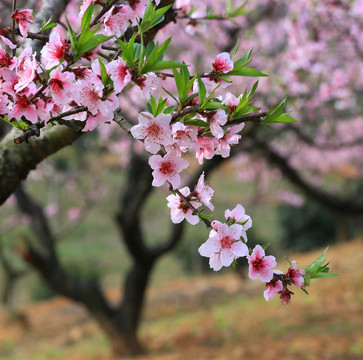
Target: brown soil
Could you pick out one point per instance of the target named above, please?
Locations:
(214, 317)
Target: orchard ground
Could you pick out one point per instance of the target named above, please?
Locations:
(211, 317)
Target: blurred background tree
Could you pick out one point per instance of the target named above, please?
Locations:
(70, 203)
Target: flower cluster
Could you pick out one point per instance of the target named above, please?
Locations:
(227, 241)
(71, 82)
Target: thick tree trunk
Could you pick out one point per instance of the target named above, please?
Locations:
(122, 326)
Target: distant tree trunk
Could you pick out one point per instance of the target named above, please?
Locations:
(127, 321)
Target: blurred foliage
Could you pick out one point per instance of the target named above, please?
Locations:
(307, 227)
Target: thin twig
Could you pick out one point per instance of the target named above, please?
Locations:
(102, 12)
(13, 33)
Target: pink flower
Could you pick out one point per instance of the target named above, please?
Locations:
(205, 148)
(184, 135)
(154, 131)
(138, 7)
(6, 60)
(167, 168)
(239, 216)
(61, 85)
(261, 265)
(223, 63)
(93, 121)
(179, 210)
(85, 5)
(184, 5)
(296, 275)
(54, 51)
(204, 192)
(231, 138)
(24, 107)
(231, 101)
(26, 69)
(6, 41)
(285, 296)
(24, 18)
(218, 119)
(89, 93)
(115, 21)
(51, 209)
(223, 245)
(101, 118)
(149, 84)
(273, 287)
(120, 74)
(4, 104)
(74, 213)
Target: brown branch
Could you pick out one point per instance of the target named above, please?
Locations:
(13, 26)
(190, 206)
(183, 112)
(34, 130)
(38, 36)
(122, 122)
(343, 207)
(256, 118)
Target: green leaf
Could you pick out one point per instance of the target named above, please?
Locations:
(316, 263)
(180, 83)
(254, 87)
(136, 53)
(239, 11)
(196, 122)
(18, 124)
(127, 51)
(86, 18)
(149, 108)
(244, 60)
(235, 49)
(169, 109)
(307, 278)
(104, 75)
(152, 17)
(202, 90)
(214, 105)
(93, 42)
(206, 101)
(160, 12)
(246, 72)
(322, 275)
(161, 105)
(224, 77)
(204, 216)
(149, 49)
(190, 98)
(228, 7)
(47, 25)
(283, 119)
(141, 54)
(305, 291)
(73, 38)
(149, 11)
(163, 65)
(245, 110)
(171, 94)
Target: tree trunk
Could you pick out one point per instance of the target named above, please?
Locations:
(126, 323)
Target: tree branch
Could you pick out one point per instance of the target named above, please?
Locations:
(340, 206)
